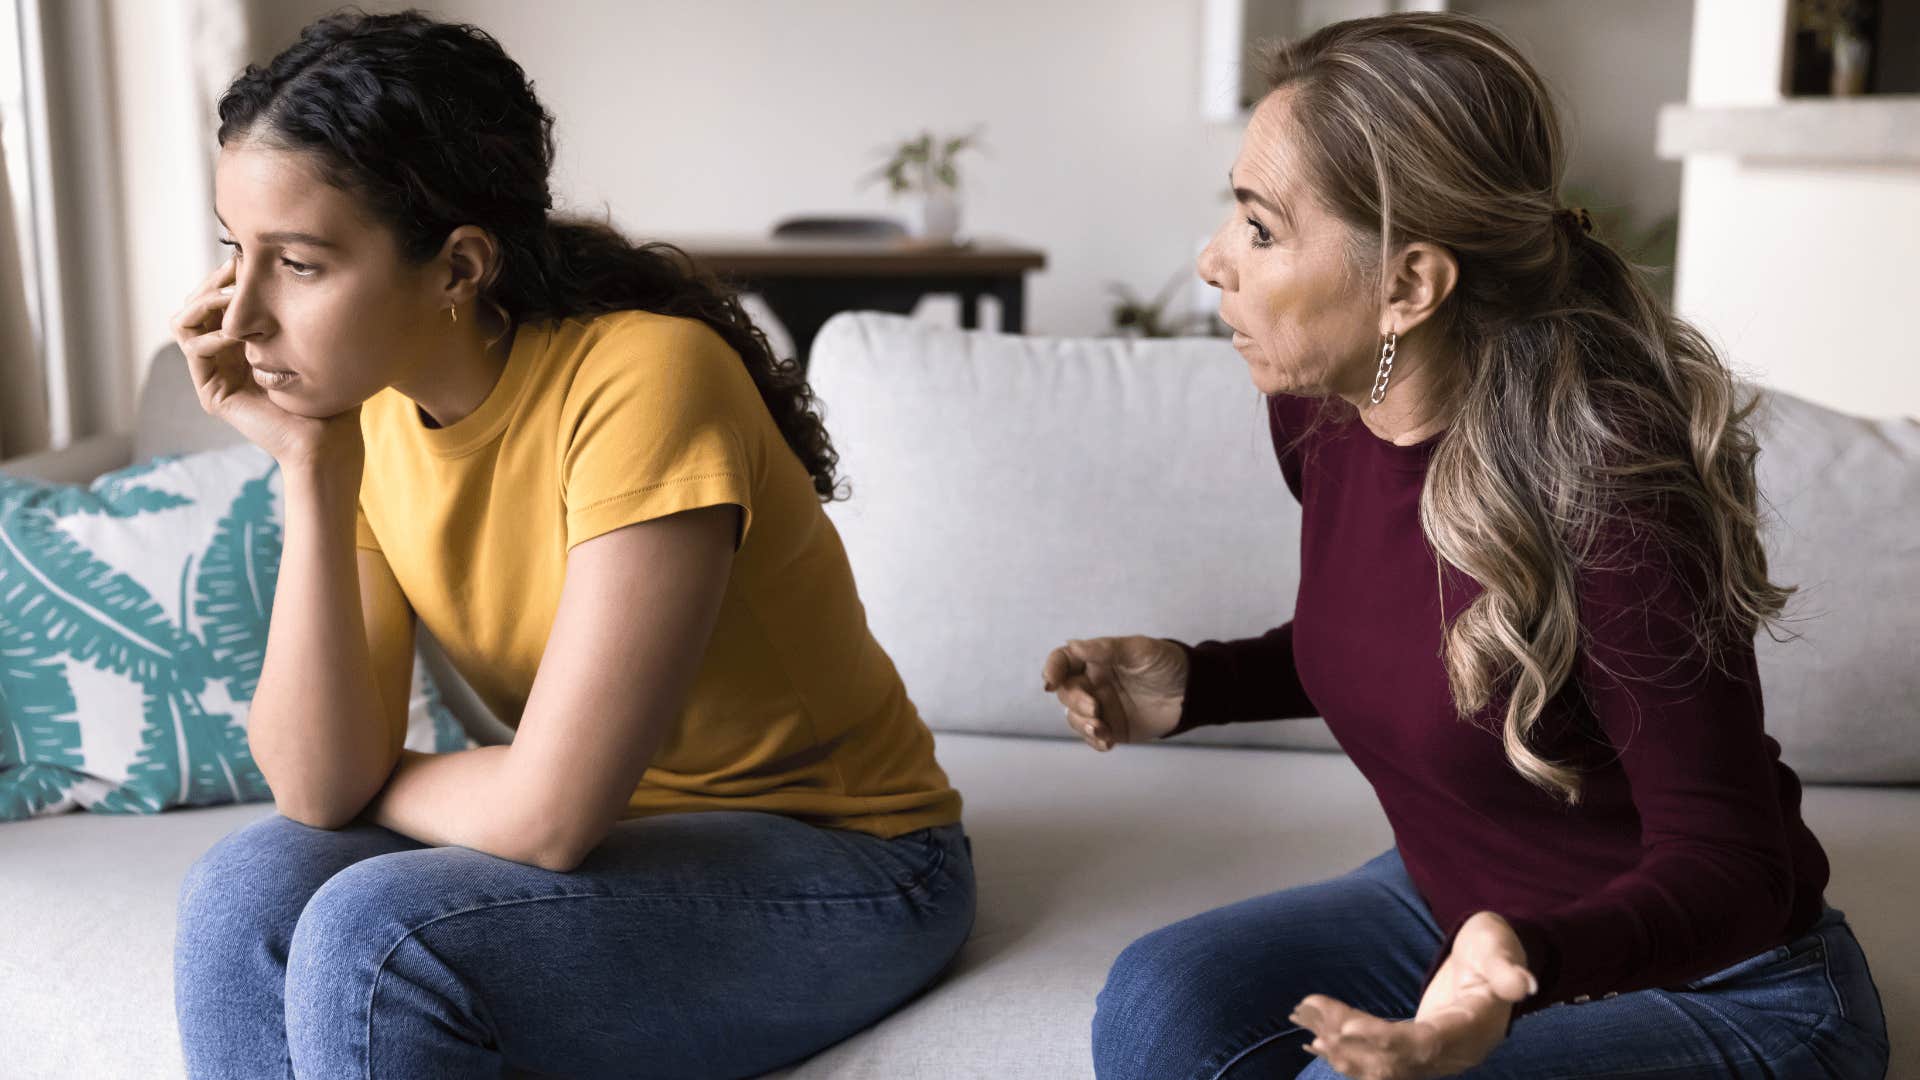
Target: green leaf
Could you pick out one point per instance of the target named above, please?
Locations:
(82, 606)
(29, 790)
(235, 596)
(188, 757)
(36, 703)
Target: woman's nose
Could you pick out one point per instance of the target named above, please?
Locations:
(1210, 266)
(245, 316)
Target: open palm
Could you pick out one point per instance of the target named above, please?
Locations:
(1462, 1016)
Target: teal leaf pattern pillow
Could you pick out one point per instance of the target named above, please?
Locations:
(133, 623)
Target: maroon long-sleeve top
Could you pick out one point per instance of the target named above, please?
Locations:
(1687, 851)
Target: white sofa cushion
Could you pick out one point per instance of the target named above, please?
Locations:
(1076, 853)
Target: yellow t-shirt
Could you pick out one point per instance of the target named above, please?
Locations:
(599, 422)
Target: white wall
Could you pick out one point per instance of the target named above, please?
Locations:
(1803, 272)
(1582, 49)
(728, 114)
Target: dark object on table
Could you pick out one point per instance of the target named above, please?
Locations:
(876, 228)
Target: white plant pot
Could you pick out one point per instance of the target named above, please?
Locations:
(1850, 55)
(939, 216)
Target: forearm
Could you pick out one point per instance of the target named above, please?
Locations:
(1249, 679)
(1675, 918)
(315, 725)
(465, 799)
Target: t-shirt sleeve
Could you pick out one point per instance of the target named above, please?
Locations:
(363, 530)
(661, 417)
(1715, 878)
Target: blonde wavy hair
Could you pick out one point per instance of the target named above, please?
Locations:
(1578, 395)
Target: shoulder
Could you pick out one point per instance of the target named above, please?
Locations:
(643, 354)
(669, 341)
(1294, 420)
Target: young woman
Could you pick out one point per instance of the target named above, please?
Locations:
(720, 840)
(1530, 582)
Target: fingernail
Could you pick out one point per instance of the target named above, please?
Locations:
(1533, 985)
(226, 288)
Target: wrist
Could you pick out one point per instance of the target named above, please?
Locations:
(337, 458)
(331, 476)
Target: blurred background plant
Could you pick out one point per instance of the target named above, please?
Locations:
(1137, 317)
(1651, 246)
(925, 164)
(929, 166)
(1832, 19)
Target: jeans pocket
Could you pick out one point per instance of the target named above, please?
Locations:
(1778, 962)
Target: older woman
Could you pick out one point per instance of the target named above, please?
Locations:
(1530, 583)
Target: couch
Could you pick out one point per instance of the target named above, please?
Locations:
(1008, 493)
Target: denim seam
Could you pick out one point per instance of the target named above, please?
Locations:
(1619, 1075)
(1248, 1049)
(1822, 1025)
(1826, 972)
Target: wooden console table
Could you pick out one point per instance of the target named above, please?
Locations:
(805, 280)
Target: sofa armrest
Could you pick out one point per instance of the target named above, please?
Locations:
(77, 463)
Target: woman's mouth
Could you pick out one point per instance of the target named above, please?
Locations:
(271, 379)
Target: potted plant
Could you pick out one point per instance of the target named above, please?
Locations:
(1136, 317)
(927, 165)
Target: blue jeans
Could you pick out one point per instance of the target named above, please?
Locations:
(1208, 997)
(710, 944)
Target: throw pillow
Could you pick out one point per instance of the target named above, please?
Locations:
(133, 622)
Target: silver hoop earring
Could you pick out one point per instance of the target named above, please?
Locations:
(1386, 367)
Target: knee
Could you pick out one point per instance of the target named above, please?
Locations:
(344, 929)
(243, 879)
(356, 956)
(1153, 1016)
(348, 912)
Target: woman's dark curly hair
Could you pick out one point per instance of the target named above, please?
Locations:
(433, 126)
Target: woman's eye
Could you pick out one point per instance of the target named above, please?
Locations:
(299, 269)
(1261, 238)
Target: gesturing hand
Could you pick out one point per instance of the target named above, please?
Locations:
(1118, 689)
(1461, 1018)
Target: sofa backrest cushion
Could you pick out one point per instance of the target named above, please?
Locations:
(1009, 493)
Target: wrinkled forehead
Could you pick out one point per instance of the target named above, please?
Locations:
(259, 190)
(1269, 162)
